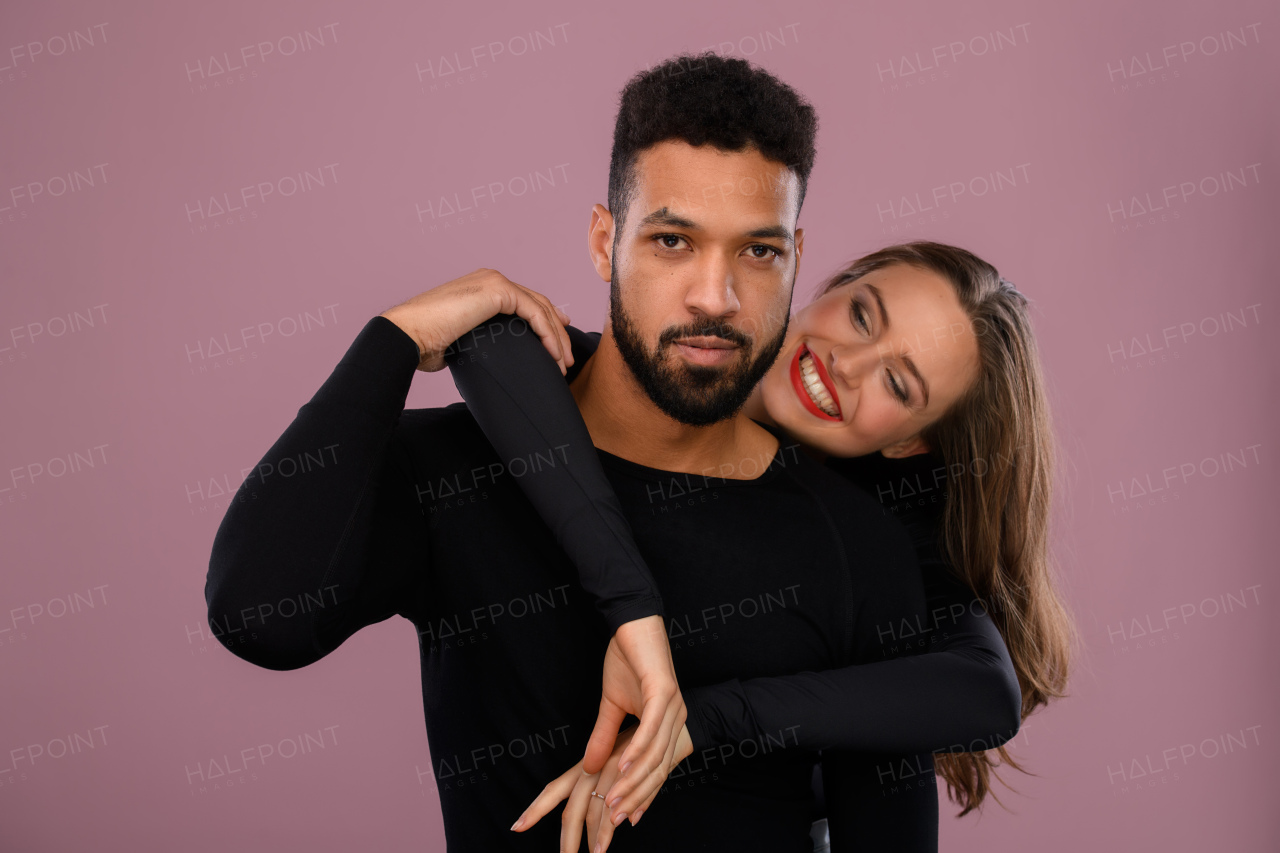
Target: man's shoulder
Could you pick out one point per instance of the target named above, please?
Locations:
(838, 491)
(444, 433)
(817, 477)
(583, 345)
(856, 514)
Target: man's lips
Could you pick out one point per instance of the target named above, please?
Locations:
(797, 382)
(707, 341)
(706, 349)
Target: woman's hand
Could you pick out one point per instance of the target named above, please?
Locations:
(586, 805)
(639, 679)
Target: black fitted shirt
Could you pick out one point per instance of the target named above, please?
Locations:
(962, 696)
(773, 580)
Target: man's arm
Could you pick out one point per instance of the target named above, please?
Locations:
(325, 535)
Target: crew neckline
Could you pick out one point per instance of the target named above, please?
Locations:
(645, 472)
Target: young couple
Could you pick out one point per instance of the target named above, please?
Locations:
(699, 484)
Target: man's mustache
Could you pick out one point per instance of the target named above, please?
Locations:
(707, 330)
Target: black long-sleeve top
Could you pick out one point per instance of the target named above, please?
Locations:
(389, 511)
(965, 690)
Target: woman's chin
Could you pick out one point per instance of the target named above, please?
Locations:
(788, 414)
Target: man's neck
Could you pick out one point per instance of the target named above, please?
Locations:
(623, 421)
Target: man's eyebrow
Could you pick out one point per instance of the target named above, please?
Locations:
(663, 216)
(775, 232)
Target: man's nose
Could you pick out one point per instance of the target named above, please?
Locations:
(713, 290)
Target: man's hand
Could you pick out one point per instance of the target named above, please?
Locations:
(438, 317)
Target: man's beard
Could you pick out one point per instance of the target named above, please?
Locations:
(693, 394)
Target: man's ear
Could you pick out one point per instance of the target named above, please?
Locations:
(600, 241)
(907, 447)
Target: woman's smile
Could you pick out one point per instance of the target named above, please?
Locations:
(813, 385)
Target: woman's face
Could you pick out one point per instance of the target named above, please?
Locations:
(872, 362)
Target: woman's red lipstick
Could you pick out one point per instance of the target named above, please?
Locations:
(797, 381)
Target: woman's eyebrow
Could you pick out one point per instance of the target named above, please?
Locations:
(924, 386)
(906, 359)
(884, 315)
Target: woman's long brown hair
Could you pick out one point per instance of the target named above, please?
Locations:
(995, 525)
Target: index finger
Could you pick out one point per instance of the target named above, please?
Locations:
(553, 793)
(556, 320)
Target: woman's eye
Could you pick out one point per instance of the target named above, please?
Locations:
(859, 315)
(899, 390)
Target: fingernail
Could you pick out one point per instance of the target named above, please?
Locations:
(596, 849)
(624, 768)
(614, 803)
(519, 823)
(635, 818)
(619, 819)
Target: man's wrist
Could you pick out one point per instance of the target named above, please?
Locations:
(401, 322)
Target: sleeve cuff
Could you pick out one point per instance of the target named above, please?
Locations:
(375, 373)
(629, 612)
(704, 721)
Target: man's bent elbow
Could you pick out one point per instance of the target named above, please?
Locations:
(284, 645)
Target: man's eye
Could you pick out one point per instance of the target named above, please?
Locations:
(764, 252)
(669, 241)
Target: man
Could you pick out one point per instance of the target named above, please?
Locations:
(416, 515)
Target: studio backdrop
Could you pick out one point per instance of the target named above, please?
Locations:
(203, 204)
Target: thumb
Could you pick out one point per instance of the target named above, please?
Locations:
(603, 736)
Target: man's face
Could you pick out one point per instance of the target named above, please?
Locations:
(702, 276)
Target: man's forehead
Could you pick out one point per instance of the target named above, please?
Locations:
(678, 180)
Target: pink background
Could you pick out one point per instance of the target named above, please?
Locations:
(1079, 108)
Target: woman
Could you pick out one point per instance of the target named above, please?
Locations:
(914, 373)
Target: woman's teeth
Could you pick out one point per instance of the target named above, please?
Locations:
(813, 384)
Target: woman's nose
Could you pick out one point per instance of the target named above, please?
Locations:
(851, 362)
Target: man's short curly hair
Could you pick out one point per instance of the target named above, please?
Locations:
(706, 98)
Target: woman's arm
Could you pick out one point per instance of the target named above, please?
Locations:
(961, 695)
(513, 389)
